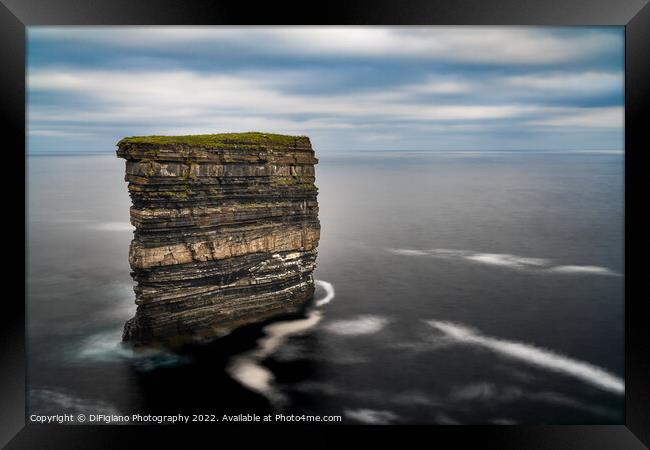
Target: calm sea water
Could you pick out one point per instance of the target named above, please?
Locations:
(454, 288)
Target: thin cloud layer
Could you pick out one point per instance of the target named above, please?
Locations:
(428, 88)
(501, 45)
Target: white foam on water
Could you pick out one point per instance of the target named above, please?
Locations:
(587, 270)
(362, 325)
(329, 292)
(371, 416)
(533, 355)
(52, 400)
(247, 367)
(249, 373)
(503, 259)
(278, 332)
(506, 260)
(408, 252)
(449, 253)
(474, 391)
(108, 347)
(494, 394)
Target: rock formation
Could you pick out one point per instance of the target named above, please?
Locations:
(226, 230)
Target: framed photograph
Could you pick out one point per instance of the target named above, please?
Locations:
(364, 217)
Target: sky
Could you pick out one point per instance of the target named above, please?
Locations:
(347, 88)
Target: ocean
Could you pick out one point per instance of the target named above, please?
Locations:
(452, 288)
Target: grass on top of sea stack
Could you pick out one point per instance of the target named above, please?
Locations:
(217, 139)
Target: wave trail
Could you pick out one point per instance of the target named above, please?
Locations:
(329, 292)
(533, 355)
(507, 260)
(247, 367)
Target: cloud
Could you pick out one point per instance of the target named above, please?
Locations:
(574, 83)
(440, 86)
(496, 45)
(179, 96)
(60, 134)
(346, 87)
(611, 117)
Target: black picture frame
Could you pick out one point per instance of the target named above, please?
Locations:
(16, 15)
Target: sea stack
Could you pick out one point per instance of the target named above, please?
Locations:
(226, 231)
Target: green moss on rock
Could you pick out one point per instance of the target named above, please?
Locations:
(177, 195)
(209, 140)
(299, 181)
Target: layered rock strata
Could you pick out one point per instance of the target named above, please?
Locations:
(226, 231)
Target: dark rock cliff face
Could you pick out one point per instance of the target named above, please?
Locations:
(226, 230)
